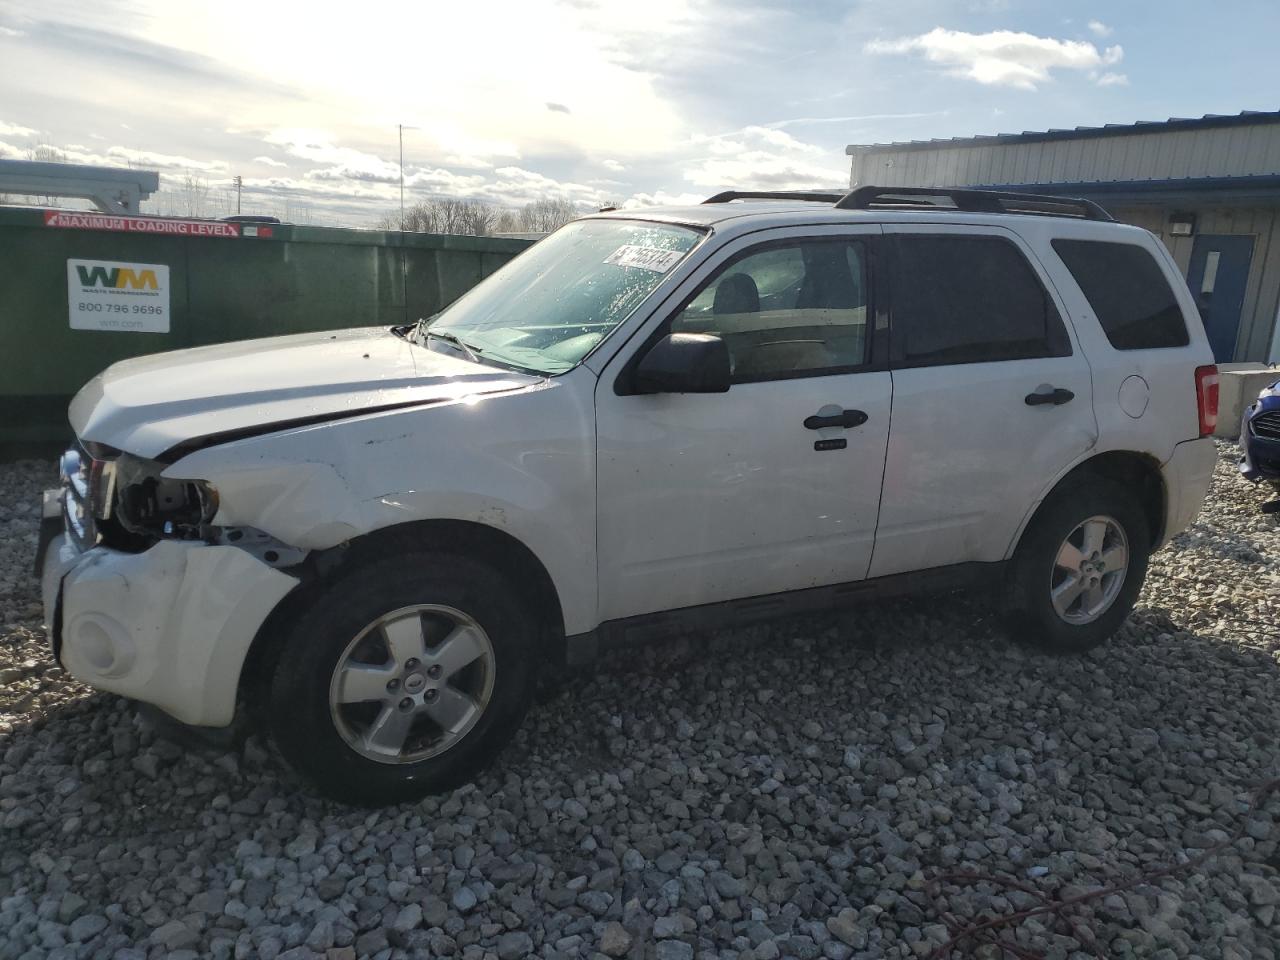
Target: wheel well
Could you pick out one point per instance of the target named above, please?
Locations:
(1138, 472)
(501, 550)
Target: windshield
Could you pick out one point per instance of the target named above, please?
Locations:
(546, 309)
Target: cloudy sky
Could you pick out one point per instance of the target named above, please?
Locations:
(593, 100)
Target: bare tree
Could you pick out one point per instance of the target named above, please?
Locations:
(46, 153)
(476, 218)
(445, 215)
(543, 216)
(194, 194)
(508, 222)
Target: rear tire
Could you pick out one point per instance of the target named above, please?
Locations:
(1079, 567)
(405, 677)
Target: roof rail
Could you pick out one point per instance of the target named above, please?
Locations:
(818, 196)
(974, 201)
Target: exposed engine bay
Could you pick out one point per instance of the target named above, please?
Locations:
(149, 505)
(124, 502)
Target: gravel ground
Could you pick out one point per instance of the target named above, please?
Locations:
(784, 791)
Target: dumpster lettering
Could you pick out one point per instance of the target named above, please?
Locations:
(128, 297)
(117, 278)
(160, 225)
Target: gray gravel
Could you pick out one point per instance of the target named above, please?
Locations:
(785, 791)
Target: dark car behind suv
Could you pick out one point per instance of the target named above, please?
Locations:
(1260, 437)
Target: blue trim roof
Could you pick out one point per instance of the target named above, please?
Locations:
(1207, 122)
(1256, 190)
(1262, 183)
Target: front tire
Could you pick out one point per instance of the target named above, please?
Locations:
(405, 677)
(1079, 567)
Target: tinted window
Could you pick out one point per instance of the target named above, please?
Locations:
(788, 310)
(1128, 292)
(967, 299)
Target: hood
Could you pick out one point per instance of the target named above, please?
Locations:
(149, 405)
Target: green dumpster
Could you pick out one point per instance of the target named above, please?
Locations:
(80, 291)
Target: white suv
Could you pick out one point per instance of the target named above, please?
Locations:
(651, 420)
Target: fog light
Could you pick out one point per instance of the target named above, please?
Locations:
(100, 643)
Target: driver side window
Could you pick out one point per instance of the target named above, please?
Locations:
(790, 309)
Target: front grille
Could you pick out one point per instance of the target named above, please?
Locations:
(1266, 425)
(86, 494)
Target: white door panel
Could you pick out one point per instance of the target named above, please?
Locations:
(968, 457)
(719, 496)
(711, 497)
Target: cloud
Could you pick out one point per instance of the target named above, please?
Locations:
(516, 185)
(369, 192)
(558, 107)
(613, 165)
(15, 130)
(861, 118)
(1099, 29)
(757, 157)
(337, 163)
(1001, 57)
(775, 137)
(128, 55)
(148, 158)
(662, 199)
(10, 32)
(268, 162)
(1112, 80)
(120, 156)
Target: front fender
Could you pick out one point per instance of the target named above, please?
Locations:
(519, 463)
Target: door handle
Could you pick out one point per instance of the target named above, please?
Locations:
(1046, 394)
(845, 418)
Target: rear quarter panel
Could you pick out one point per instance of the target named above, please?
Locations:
(1170, 416)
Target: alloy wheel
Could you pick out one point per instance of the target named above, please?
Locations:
(1089, 570)
(412, 684)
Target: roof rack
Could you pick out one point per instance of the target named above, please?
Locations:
(819, 196)
(975, 201)
(962, 199)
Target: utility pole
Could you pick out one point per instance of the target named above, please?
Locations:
(239, 182)
(400, 129)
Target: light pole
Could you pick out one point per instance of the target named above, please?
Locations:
(239, 182)
(400, 129)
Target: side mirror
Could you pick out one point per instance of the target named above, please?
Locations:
(685, 363)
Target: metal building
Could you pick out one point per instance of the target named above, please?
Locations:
(1208, 187)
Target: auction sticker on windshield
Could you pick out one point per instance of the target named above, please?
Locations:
(646, 258)
(119, 297)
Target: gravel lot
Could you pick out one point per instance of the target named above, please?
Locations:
(785, 791)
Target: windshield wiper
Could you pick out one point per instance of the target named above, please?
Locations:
(420, 327)
(471, 352)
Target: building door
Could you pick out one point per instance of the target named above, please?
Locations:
(1218, 275)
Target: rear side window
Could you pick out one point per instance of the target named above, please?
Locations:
(1128, 292)
(969, 299)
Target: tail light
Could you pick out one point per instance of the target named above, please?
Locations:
(1207, 398)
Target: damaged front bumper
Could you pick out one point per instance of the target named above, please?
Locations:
(170, 626)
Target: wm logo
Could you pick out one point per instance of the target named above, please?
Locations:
(117, 278)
